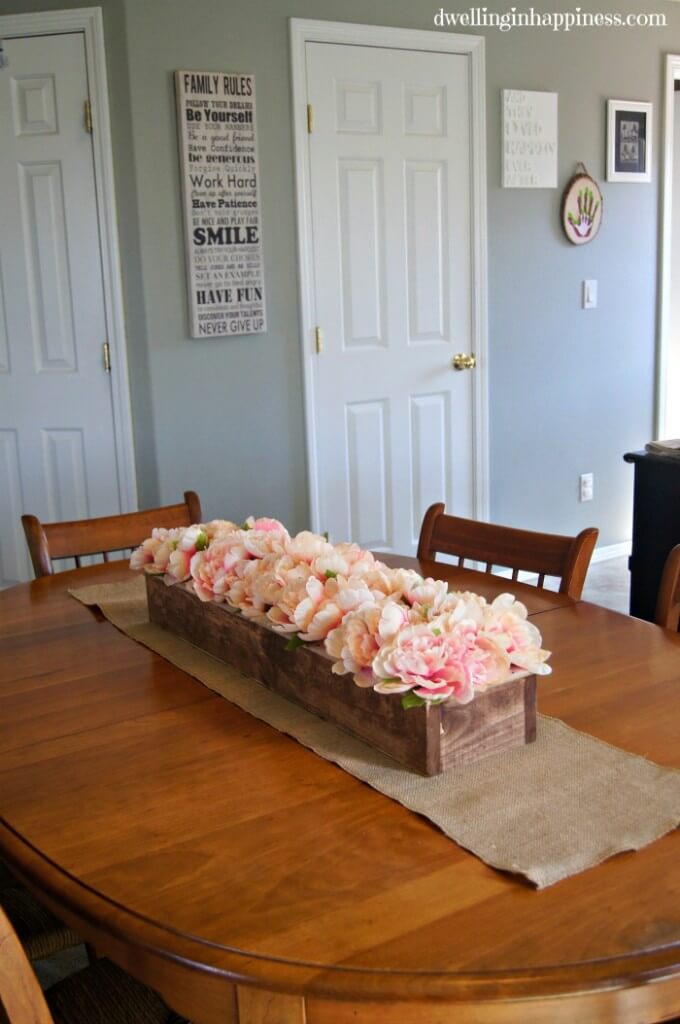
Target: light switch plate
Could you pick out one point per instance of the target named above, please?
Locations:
(589, 294)
(586, 482)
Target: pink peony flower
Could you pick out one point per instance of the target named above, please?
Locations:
(165, 549)
(179, 564)
(156, 550)
(260, 543)
(489, 664)
(356, 641)
(219, 528)
(214, 570)
(326, 604)
(144, 554)
(307, 546)
(423, 658)
(265, 577)
(189, 540)
(329, 564)
(267, 526)
(379, 582)
(240, 596)
(293, 577)
(426, 596)
(507, 624)
(358, 561)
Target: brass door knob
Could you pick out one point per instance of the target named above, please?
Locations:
(463, 362)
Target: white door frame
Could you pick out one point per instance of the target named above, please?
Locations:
(667, 199)
(89, 21)
(303, 31)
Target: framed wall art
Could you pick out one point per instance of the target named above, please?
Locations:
(529, 139)
(629, 141)
(582, 208)
(217, 130)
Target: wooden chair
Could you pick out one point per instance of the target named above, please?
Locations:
(101, 994)
(544, 554)
(47, 541)
(668, 601)
(20, 993)
(41, 933)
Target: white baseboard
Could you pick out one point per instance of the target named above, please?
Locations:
(604, 553)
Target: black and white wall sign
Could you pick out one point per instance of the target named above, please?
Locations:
(218, 149)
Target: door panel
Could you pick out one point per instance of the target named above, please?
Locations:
(4, 345)
(368, 463)
(49, 280)
(56, 416)
(426, 252)
(430, 423)
(11, 534)
(390, 182)
(363, 260)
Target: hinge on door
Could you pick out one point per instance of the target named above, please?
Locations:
(107, 356)
(310, 118)
(87, 115)
(318, 337)
(3, 56)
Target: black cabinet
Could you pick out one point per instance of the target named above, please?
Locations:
(656, 526)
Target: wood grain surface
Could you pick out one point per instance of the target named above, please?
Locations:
(251, 881)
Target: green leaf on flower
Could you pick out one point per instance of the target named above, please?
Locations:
(174, 544)
(201, 541)
(391, 679)
(426, 610)
(294, 643)
(436, 631)
(325, 535)
(246, 526)
(412, 700)
(330, 575)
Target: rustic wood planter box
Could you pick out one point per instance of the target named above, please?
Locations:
(428, 739)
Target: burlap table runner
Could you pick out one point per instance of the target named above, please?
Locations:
(546, 811)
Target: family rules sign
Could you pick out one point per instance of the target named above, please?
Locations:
(220, 193)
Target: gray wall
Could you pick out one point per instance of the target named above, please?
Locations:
(570, 390)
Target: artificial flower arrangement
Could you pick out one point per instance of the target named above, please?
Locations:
(391, 629)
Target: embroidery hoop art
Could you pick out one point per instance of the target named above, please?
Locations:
(582, 208)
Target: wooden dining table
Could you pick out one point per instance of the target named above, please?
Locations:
(252, 882)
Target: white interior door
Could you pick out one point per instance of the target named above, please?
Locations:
(390, 175)
(57, 451)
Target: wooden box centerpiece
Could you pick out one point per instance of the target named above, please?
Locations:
(429, 738)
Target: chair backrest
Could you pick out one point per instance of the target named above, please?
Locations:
(104, 535)
(668, 601)
(20, 994)
(542, 554)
